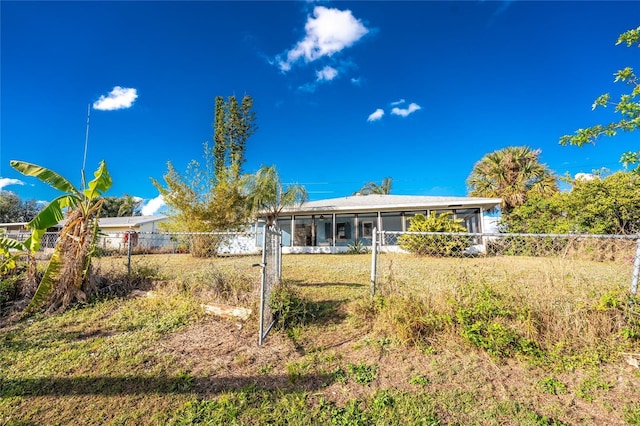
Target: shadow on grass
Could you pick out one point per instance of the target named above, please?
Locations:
(327, 312)
(139, 385)
(17, 341)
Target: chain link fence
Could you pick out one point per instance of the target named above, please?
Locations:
(176, 255)
(271, 275)
(620, 254)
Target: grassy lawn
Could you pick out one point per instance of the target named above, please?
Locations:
(502, 340)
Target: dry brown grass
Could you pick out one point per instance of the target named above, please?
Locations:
(151, 360)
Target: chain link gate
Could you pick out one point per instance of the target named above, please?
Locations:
(271, 274)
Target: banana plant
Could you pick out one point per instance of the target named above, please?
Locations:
(67, 271)
(10, 251)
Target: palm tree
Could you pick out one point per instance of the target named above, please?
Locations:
(66, 277)
(373, 188)
(513, 174)
(265, 194)
(129, 206)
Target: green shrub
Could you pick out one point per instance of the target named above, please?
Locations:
(288, 308)
(435, 245)
(9, 288)
(486, 320)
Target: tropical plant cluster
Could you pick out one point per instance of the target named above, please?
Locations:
(601, 205)
(596, 203)
(213, 196)
(66, 278)
(435, 245)
(216, 195)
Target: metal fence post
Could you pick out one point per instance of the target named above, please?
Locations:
(263, 278)
(129, 253)
(374, 261)
(636, 269)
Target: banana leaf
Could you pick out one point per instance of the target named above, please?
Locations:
(48, 217)
(101, 183)
(47, 283)
(10, 243)
(45, 175)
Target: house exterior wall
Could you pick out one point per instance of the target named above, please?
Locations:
(335, 232)
(143, 236)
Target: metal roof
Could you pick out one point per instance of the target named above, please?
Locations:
(376, 202)
(130, 221)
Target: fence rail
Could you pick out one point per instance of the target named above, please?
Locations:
(621, 249)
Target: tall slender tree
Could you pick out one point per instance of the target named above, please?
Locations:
(233, 125)
(513, 174)
(208, 196)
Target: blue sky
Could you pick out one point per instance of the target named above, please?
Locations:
(344, 92)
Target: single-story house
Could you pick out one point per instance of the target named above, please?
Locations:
(14, 227)
(329, 226)
(116, 231)
(145, 234)
(130, 223)
(16, 230)
(19, 231)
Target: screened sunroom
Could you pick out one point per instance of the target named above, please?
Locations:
(333, 225)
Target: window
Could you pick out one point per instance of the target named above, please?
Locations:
(284, 224)
(367, 229)
(345, 226)
(304, 232)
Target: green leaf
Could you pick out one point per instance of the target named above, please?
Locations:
(629, 37)
(47, 283)
(10, 243)
(53, 213)
(45, 175)
(601, 101)
(101, 183)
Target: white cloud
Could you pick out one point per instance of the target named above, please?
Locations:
(153, 206)
(118, 98)
(327, 33)
(7, 181)
(396, 103)
(584, 176)
(327, 73)
(403, 112)
(376, 115)
(356, 81)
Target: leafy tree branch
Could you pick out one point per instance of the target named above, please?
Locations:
(628, 106)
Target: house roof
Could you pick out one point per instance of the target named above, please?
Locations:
(377, 202)
(129, 221)
(4, 224)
